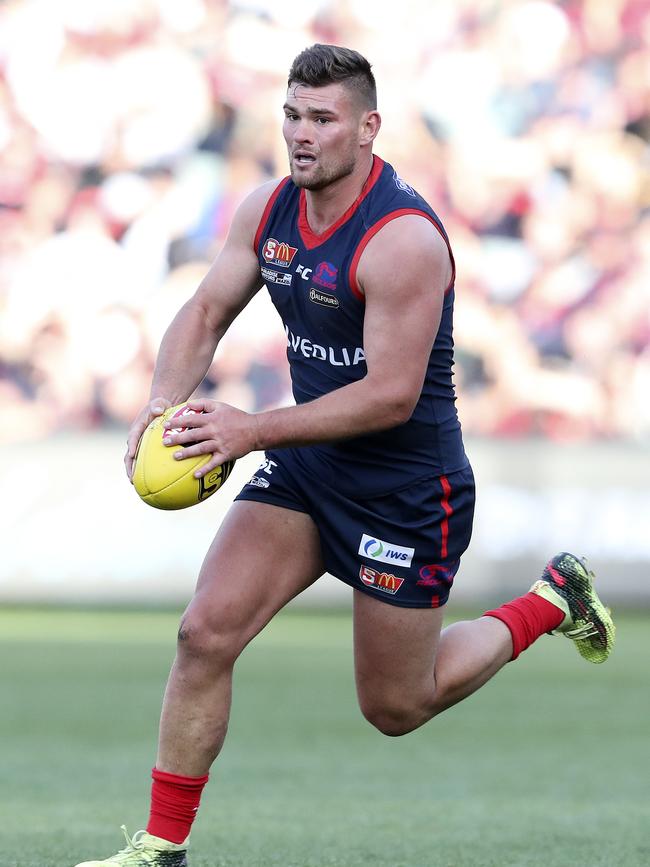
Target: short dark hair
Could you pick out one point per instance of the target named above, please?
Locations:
(320, 65)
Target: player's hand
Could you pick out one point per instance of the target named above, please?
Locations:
(218, 429)
(146, 415)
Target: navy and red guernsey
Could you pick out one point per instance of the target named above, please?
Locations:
(312, 280)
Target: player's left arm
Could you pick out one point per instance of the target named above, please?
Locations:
(403, 273)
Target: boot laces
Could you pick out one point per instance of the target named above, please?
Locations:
(133, 844)
(584, 630)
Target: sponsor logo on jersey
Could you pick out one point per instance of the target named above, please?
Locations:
(325, 275)
(380, 580)
(304, 272)
(323, 298)
(434, 575)
(257, 482)
(336, 356)
(278, 253)
(271, 276)
(402, 185)
(386, 552)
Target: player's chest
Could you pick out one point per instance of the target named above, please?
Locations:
(311, 285)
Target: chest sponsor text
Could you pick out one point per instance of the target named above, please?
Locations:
(337, 356)
(271, 276)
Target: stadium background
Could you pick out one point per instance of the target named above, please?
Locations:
(129, 132)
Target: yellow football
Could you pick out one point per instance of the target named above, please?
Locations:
(166, 483)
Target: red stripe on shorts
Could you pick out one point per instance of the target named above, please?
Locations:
(446, 505)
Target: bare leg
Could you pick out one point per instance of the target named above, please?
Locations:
(261, 558)
(407, 670)
(469, 654)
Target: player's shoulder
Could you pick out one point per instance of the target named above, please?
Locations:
(398, 214)
(252, 208)
(250, 212)
(413, 234)
(407, 250)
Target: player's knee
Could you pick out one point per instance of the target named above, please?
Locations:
(394, 720)
(207, 641)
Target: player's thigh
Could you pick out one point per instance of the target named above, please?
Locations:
(394, 651)
(262, 556)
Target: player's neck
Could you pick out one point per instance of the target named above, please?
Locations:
(324, 207)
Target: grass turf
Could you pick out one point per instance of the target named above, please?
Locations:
(546, 766)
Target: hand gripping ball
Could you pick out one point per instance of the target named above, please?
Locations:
(166, 483)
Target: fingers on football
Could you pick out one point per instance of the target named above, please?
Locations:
(128, 464)
(131, 449)
(189, 422)
(201, 404)
(214, 461)
(181, 438)
(158, 405)
(202, 448)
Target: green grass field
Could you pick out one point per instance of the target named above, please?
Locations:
(548, 765)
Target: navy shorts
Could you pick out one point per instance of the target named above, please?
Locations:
(403, 547)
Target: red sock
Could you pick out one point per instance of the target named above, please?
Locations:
(527, 618)
(174, 802)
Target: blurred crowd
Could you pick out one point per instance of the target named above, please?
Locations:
(130, 131)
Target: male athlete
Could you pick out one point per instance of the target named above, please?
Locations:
(366, 477)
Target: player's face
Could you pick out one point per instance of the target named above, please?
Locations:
(324, 128)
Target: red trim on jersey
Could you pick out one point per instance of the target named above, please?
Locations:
(265, 216)
(448, 510)
(372, 231)
(311, 239)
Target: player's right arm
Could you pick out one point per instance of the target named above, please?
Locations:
(189, 344)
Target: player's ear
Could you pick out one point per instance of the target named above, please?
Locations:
(370, 124)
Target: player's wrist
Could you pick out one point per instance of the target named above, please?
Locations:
(258, 444)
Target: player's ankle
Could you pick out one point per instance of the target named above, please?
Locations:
(174, 804)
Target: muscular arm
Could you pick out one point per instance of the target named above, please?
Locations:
(189, 343)
(404, 296)
(188, 347)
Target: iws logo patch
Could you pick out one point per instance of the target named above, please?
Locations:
(386, 552)
(278, 253)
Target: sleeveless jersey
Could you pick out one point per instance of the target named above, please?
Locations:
(312, 282)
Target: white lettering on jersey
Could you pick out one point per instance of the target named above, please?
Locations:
(342, 357)
(304, 272)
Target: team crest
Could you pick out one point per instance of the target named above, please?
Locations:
(278, 253)
(325, 275)
(435, 575)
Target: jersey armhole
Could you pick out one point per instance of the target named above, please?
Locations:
(372, 231)
(267, 212)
